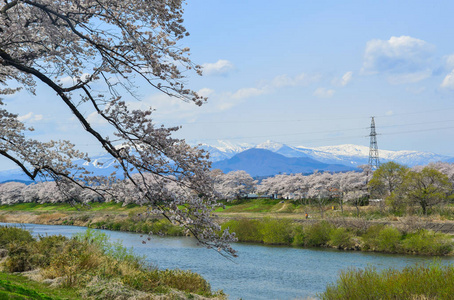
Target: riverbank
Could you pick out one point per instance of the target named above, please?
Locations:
(87, 266)
(259, 272)
(405, 235)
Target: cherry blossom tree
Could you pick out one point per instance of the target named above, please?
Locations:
(234, 185)
(352, 187)
(320, 189)
(110, 44)
(445, 168)
(11, 192)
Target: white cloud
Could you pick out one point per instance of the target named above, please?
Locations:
(284, 80)
(95, 119)
(409, 77)
(389, 113)
(323, 93)
(30, 117)
(398, 56)
(220, 67)
(73, 80)
(448, 82)
(450, 61)
(248, 92)
(205, 92)
(344, 80)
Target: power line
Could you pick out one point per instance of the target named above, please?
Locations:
(331, 138)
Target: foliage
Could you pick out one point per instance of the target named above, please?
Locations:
(9, 234)
(246, 230)
(434, 281)
(276, 231)
(80, 260)
(115, 249)
(426, 188)
(341, 238)
(318, 234)
(388, 239)
(88, 54)
(427, 242)
(387, 178)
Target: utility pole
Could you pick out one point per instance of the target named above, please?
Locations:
(374, 162)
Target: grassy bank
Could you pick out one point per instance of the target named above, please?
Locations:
(408, 236)
(87, 266)
(415, 282)
(14, 286)
(296, 210)
(377, 238)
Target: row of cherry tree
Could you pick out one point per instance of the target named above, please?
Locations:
(426, 186)
(392, 183)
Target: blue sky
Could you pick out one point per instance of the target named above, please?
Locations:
(305, 73)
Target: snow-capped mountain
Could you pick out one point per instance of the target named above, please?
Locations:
(357, 155)
(263, 162)
(349, 155)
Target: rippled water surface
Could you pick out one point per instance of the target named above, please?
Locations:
(260, 272)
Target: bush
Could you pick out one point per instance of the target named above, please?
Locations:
(341, 238)
(389, 239)
(91, 255)
(370, 238)
(17, 234)
(20, 257)
(382, 238)
(276, 231)
(245, 230)
(298, 236)
(415, 282)
(318, 234)
(427, 242)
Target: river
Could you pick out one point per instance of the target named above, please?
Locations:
(260, 272)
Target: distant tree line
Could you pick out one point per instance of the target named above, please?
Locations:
(392, 185)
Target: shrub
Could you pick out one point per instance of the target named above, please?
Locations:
(246, 230)
(17, 234)
(414, 282)
(20, 257)
(389, 239)
(74, 263)
(317, 234)
(370, 238)
(298, 236)
(427, 242)
(341, 238)
(276, 231)
(46, 247)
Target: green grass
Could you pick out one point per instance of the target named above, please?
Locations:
(46, 207)
(251, 205)
(434, 281)
(14, 286)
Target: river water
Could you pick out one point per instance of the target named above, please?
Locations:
(260, 272)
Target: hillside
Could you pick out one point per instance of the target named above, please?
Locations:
(261, 162)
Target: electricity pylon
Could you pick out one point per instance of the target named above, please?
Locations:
(374, 162)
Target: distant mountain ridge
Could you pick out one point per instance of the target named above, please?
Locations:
(262, 162)
(349, 155)
(332, 158)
